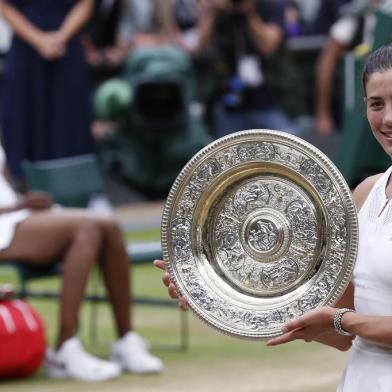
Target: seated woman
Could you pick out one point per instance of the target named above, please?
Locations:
(35, 232)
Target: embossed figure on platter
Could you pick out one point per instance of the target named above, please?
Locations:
(263, 235)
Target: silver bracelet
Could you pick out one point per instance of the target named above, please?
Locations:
(337, 321)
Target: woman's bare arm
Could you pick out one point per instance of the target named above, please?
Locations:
(76, 19)
(21, 26)
(267, 37)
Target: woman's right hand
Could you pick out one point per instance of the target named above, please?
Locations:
(171, 288)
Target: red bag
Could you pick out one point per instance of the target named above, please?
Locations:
(22, 339)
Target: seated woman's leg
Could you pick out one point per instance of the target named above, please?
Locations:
(116, 273)
(115, 266)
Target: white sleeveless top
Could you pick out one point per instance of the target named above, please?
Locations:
(8, 198)
(369, 368)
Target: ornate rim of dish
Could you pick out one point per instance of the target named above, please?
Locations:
(263, 317)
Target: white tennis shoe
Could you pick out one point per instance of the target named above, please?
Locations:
(72, 361)
(131, 353)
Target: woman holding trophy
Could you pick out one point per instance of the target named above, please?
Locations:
(362, 318)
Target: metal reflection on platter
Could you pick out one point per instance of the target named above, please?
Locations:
(258, 228)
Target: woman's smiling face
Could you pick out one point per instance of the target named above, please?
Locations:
(379, 107)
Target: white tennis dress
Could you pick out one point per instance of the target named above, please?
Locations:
(369, 367)
(8, 198)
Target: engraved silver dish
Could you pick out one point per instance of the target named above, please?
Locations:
(258, 228)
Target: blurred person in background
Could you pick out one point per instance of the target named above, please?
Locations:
(351, 29)
(46, 107)
(247, 38)
(140, 24)
(118, 26)
(104, 55)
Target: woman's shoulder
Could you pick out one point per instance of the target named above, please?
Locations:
(361, 192)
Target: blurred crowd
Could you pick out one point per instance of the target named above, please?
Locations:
(132, 79)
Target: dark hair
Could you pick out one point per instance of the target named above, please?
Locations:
(378, 61)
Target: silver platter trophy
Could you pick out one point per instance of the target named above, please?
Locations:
(258, 228)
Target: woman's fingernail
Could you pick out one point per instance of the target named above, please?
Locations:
(285, 329)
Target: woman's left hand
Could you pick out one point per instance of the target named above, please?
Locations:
(310, 326)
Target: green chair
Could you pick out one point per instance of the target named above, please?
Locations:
(71, 181)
